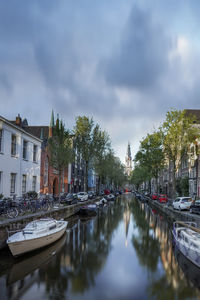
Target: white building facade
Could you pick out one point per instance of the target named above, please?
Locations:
(20, 160)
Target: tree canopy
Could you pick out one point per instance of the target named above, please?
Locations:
(60, 148)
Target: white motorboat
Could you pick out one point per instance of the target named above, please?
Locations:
(35, 235)
(110, 197)
(187, 239)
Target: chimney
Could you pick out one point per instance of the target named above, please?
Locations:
(18, 121)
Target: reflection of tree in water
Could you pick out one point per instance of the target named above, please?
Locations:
(146, 246)
(84, 255)
(191, 271)
(160, 289)
(56, 282)
(169, 283)
(97, 245)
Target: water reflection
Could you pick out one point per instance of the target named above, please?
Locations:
(174, 281)
(126, 252)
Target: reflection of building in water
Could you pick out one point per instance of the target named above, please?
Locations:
(19, 288)
(174, 273)
(126, 217)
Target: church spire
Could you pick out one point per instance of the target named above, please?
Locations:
(51, 124)
(52, 119)
(128, 160)
(129, 150)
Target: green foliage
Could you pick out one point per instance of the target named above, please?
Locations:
(182, 186)
(149, 158)
(150, 154)
(1, 196)
(139, 175)
(178, 186)
(185, 186)
(179, 132)
(91, 143)
(60, 148)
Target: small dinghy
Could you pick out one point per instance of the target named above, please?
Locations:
(35, 235)
(102, 202)
(110, 197)
(88, 210)
(187, 239)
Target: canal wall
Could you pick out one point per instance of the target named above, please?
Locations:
(175, 215)
(21, 221)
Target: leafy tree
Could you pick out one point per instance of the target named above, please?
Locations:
(60, 149)
(185, 186)
(139, 175)
(90, 141)
(150, 155)
(179, 132)
(116, 173)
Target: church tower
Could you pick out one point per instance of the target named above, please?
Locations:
(128, 161)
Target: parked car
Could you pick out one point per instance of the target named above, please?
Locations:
(182, 203)
(107, 191)
(195, 207)
(162, 198)
(82, 196)
(91, 194)
(154, 196)
(101, 193)
(69, 199)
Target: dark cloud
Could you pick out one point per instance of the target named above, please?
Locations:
(112, 60)
(141, 57)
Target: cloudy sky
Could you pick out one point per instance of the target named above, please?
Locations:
(122, 62)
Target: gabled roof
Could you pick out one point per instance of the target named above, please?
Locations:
(22, 129)
(38, 131)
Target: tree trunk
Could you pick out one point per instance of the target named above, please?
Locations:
(59, 185)
(98, 186)
(150, 186)
(86, 176)
(173, 181)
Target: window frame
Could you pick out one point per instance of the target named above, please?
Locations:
(34, 183)
(1, 140)
(13, 177)
(24, 183)
(13, 145)
(1, 182)
(35, 150)
(25, 150)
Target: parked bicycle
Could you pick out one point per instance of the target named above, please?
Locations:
(7, 210)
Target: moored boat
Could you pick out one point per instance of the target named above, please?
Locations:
(187, 239)
(101, 202)
(88, 210)
(35, 235)
(110, 197)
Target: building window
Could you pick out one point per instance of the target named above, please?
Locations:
(46, 170)
(34, 183)
(1, 140)
(1, 178)
(13, 145)
(34, 153)
(25, 145)
(12, 183)
(23, 184)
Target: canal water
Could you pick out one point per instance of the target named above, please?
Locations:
(125, 252)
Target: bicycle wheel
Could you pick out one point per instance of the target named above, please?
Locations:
(12, 213)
